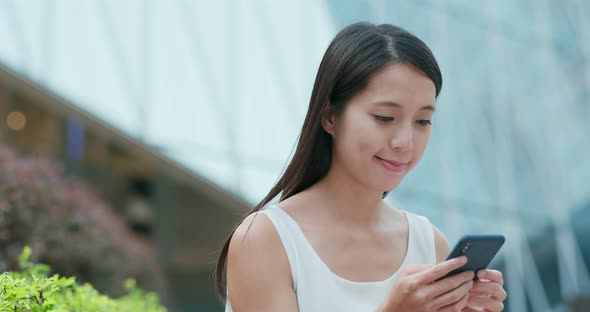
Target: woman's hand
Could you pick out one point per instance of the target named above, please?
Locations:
(416, 290)
(487, 293)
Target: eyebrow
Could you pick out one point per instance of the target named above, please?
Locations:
(394, 104)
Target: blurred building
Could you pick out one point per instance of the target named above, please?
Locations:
(183, 113)
(184, 214)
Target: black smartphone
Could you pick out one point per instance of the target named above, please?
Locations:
(479, 250)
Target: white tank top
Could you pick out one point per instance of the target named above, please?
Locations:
(318, 289)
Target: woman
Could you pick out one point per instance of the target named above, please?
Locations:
(331, 243)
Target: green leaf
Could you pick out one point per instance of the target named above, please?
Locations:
(24, 257)
(33, 291)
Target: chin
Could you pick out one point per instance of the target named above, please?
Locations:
(390, 185)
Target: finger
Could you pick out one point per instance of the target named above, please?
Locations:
(453, 296)
(442, 269)
(489, 289)
(488, 304)
(491, 275)
(456, 306)
(450, 283)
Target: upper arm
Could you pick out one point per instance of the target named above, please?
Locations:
(258, 272)
(441, 245)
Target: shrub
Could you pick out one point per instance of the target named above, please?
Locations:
(32, 290)
(69, 228)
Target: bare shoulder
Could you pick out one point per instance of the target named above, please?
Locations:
(441, 244)
(255, 232)
(299, 203)
(258, 272)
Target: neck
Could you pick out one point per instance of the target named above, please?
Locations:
(348, 201)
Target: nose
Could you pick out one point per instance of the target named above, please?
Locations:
(401, 139)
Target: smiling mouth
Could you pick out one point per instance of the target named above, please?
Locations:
(392, 165)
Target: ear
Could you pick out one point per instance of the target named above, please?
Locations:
(328, 119)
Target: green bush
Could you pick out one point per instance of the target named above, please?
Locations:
(32, 290)
(70, 228)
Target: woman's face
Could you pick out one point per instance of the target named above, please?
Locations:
(384, 129)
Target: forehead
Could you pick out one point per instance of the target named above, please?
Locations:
(399, 83)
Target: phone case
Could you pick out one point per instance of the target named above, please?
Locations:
(480, 250)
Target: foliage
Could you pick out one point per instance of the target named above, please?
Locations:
(33, 290)
(70, 228)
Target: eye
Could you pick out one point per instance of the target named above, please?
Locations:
(383, 118)
(424, 122)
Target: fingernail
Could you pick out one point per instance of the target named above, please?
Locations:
(481, 274)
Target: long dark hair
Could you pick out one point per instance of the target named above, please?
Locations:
(355, 53)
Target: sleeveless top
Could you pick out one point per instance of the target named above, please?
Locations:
(318, 289)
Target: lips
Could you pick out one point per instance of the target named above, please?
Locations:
(393, 162)
(392, 165)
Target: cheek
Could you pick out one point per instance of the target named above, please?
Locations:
(356, 145)
(368, 142)
(420, 143)
(359, 137)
